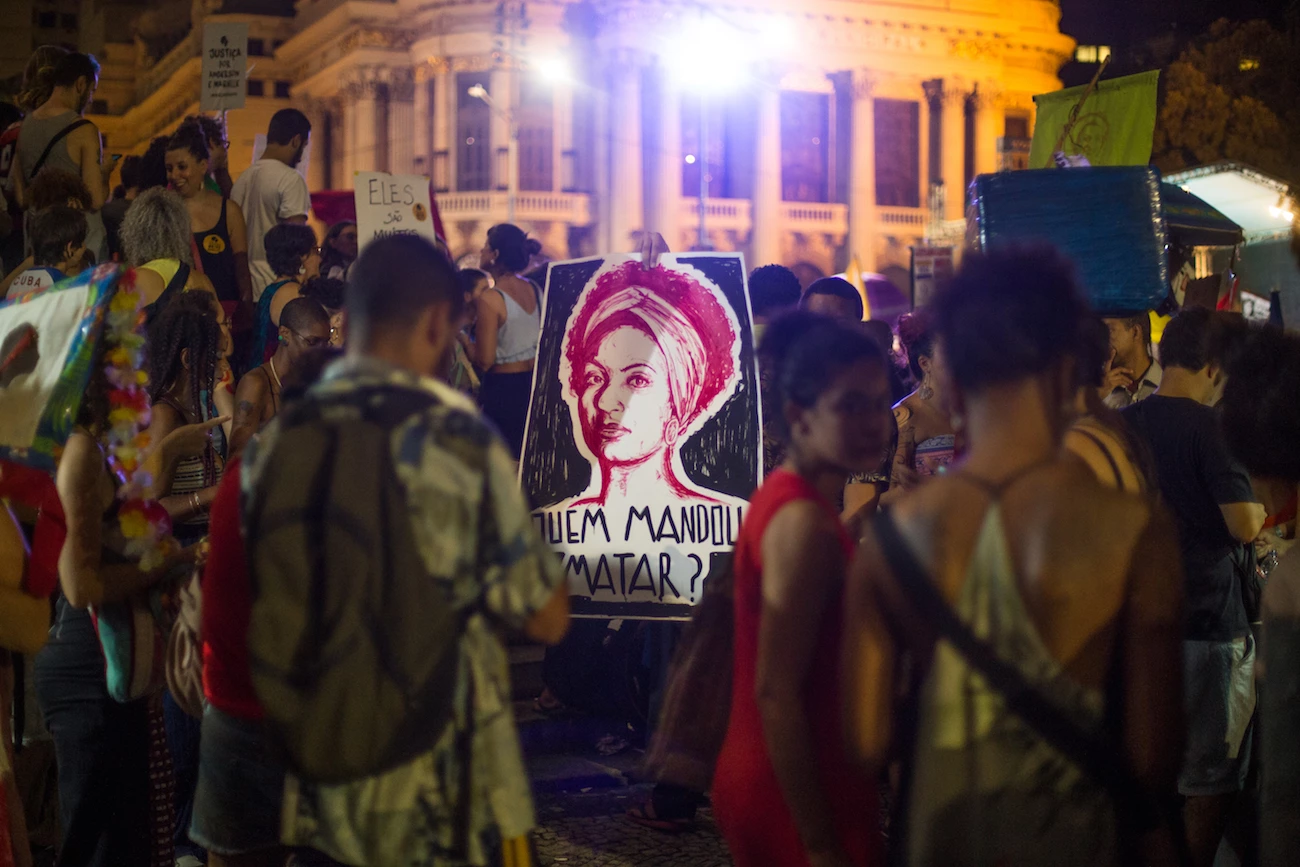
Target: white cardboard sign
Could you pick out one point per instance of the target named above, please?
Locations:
(392, 205)
(225, 66)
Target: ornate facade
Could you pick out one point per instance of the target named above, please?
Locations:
(839, 144)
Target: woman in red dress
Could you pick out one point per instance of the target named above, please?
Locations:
(784, 791)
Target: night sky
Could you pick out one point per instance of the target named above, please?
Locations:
(1111, 21)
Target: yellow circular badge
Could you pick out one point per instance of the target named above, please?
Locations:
(421, 213)
(214, 244)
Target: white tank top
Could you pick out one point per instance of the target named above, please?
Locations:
(518, 336)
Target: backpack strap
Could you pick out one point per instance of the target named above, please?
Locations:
(1136, 809)
(58, 137)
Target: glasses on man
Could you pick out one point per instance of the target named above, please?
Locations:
(312, 342)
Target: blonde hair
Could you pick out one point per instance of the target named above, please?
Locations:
(38, 77)
(157, 226)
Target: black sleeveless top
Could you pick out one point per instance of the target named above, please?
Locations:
(218, 258)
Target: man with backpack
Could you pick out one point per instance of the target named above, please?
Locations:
(390, 548)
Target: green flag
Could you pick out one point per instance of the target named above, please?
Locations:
(1115, 126)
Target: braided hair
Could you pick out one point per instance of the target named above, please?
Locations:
(187, 322)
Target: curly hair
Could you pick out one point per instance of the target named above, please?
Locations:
(287, 246)
(156, 226)
(211, 129)
(38, 77)
(53, 187)
(330, 256)
(153, 164)
(1009, 314)
(188, 322)
(328, 292)
(916, 333)
(190, 138)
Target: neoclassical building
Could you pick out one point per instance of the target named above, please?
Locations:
(830, 128)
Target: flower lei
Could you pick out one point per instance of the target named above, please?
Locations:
(145, 524)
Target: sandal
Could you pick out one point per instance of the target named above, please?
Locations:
(646, 817)
(548, 704)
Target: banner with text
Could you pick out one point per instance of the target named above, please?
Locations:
(225, 66)
(392, 205)
(644, 442)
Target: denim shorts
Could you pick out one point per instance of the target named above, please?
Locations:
(1219, 693)
(241, 787)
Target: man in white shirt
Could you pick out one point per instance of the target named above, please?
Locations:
(271, 191)
(1132, 375)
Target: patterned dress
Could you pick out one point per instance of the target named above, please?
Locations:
(449, 460)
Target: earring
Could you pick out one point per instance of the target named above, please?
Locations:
(284, 341)
(925, 391)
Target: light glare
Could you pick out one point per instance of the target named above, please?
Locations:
(553, 69)
(707, 56)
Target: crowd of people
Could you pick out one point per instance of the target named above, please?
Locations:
(1005, 584)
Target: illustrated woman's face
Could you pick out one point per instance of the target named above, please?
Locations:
(624, 398)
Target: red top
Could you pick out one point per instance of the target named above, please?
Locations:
(747, 798)
(227, 605)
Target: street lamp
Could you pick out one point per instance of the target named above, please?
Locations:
(708, 57)
(480, 92)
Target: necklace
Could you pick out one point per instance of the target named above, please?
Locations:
(278, 387)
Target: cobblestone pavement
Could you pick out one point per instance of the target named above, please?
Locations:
(588, 829)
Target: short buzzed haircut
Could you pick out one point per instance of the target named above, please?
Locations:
(836, 287)
(302, 313)
(51, 230)
(1142, 322)
(773, 289)
(397, 278)
(1192, 340)
(285, 124)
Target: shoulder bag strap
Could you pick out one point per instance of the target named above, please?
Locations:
(1134, 807)
(1110, 459)
(179, 279)
(58, 137)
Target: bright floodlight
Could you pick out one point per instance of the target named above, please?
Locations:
(478, 91)
(553, 69)
(707, 56)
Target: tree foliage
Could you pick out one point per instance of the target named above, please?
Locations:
(1232, 96)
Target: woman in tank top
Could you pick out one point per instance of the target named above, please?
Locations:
(156, 240)
(216, 222)
(509, 323)
(1072, 587)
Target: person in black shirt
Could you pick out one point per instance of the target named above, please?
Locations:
(1215, 509)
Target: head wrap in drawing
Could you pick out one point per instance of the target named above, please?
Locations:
(687, 317)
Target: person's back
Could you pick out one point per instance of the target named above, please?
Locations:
(1186, 445)
(474, 537)
(271, 191)
(1069, 585)
(35, 136)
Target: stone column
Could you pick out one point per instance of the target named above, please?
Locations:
(444, 130)
(347, 139)
(315, 111)
(363, 94)
(954, 149)
(990, 122)
(401, 121)
(500, 91)
(626, 214)
(600, 182)
(666, 207)
(562, 136)
(923, 130)
(765, 237)
(862, 173)
(423, 144)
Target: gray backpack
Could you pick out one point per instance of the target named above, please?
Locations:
(353, 644)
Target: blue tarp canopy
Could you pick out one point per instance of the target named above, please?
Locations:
(1193, 222)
